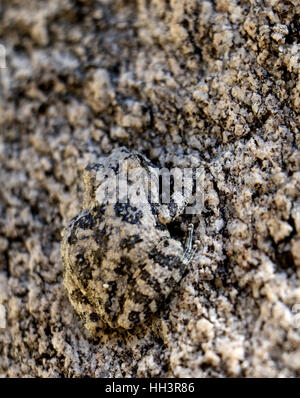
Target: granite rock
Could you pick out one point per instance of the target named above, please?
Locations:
(180, 81)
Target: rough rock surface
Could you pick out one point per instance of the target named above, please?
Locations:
(180, 81)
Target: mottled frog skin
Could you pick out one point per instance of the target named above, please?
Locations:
(120, 262)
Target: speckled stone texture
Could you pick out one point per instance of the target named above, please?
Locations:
(180, 81)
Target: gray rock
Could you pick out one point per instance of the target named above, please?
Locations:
(182, 82)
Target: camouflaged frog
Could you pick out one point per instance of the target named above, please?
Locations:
(120, 262)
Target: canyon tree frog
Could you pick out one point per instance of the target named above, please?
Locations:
(120, 262)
